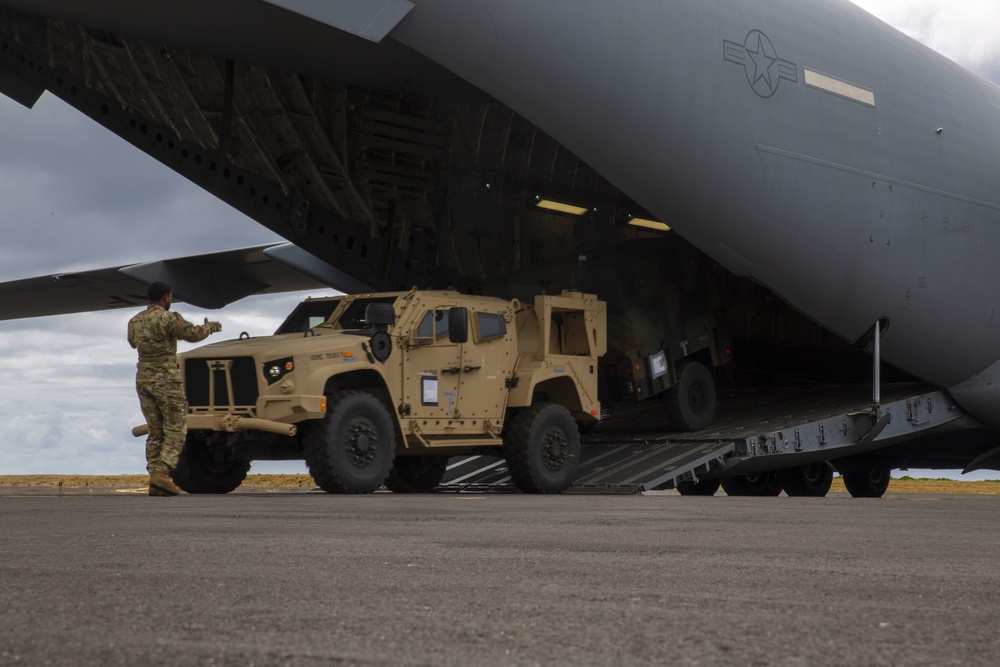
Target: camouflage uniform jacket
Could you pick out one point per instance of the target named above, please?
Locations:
(154, 333)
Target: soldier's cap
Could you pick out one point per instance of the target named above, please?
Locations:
(157, 290)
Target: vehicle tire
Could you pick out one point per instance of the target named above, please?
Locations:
(706, 487)
(752, 484)
(691, 402)
(867, 483)
(204, 469)
(542, 448)
(811, 480)
(351, 450)
(416, 474)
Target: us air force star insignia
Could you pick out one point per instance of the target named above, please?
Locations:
(764, 68)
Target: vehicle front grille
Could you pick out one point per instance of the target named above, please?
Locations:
(220, 383)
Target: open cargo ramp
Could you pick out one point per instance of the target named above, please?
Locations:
(620, 468)
(758, 430)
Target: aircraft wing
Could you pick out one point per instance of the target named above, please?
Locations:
(211, 280)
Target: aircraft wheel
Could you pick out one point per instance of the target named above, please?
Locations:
(705, 487)
(867, 483)
(812, 480)
(691, 402)
(416, 474)
(205, 469)
(752, 484)
(351, 450)
(542, 449)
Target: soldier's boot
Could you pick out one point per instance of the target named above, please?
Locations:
(160, 484)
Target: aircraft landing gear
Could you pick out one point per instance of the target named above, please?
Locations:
(705, 487)
(812, 480)
(752, 484)
(867, 483)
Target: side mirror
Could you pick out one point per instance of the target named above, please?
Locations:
(458, 325)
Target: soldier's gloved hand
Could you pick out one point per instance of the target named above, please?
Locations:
(213, 326)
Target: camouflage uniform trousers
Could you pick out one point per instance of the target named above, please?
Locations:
(164, 406)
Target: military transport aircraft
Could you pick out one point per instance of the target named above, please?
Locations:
(803, 146)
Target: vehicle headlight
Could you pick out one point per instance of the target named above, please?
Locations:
(275, 370)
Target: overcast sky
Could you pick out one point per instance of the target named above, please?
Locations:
(75, 197)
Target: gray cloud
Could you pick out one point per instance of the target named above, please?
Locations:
(76, 196)
(959, 30)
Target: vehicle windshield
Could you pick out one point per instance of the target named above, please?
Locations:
(307, 315)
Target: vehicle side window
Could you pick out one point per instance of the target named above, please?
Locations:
(433, 325)
(490, 326)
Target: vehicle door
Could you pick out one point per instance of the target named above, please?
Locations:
(431, 372)
(488, 359)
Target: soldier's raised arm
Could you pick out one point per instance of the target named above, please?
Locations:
(192, 333)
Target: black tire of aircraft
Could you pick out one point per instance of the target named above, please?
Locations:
(752, 484)
(867, 483)
(809, 480)
(416, 474)
(351, 450)
(200, 470)
(542, 448)
(690, 403)
(704, 487)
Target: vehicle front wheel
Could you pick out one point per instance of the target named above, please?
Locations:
(417, 474)
(690, 403)
(351, 450)
(204, 468)
(542, 448)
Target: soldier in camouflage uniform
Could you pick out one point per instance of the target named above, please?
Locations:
(154, 333)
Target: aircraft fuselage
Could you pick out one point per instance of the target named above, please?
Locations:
(806, 144)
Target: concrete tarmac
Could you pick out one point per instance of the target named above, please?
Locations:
(312, 579)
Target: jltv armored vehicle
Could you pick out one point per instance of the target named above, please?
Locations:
(391, 385)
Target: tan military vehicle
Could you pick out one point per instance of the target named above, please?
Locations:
(389, 386)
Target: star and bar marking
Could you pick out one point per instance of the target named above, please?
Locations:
(759, 58)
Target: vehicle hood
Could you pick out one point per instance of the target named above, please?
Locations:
(287, 345)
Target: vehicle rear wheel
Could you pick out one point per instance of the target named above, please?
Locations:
(416, 474)
(810, 480)
(867, 483)
(752, 484)
(691, 402)
(542, 448)
(351, 450)
(203, 468)
(705, 487)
